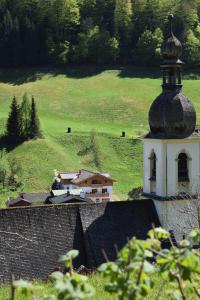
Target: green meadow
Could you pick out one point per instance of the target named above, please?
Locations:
(43, 289)
(105, 102)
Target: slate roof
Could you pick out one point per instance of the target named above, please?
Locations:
(44, 233)
(28, 199)
(35, 197)
(107, 225)
(18, 202)
(62, 192)
(66, 198)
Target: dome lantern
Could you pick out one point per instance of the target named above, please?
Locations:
(172, 48)
(172, 115)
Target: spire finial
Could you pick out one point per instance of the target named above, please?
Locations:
(170, 18)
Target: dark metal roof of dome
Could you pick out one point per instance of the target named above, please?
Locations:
(172, 48)
(171, 115)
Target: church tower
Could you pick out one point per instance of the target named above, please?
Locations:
(172, 148)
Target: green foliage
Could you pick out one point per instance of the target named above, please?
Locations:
(25, 111)
(23, 122)
(68, 258)
(131, 276)
(14, 122)
(55, 31)
(192, 48)
(24, 287)
(93, 43)
(34, 127)
(69, 286)
(149, 47)
(123, 17)
(10, 172)
(4, 169)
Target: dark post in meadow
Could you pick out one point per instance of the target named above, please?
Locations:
(123, 134)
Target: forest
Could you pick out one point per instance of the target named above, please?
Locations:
(61, 32)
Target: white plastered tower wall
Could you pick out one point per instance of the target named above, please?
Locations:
(177, 215)
(167, 152)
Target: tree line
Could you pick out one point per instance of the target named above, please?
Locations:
(23, 122)
(60, 32)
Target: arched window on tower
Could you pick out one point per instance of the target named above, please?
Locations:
(153, 160)
(183, 174)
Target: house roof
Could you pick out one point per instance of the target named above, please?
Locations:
(67, 198)
(84, 174)
(35, 197)
(62, 192)
(106, 175)
(69, 176)
(18, 202)
(28, 199)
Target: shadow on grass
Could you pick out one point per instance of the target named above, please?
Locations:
(9, 145)
(24, 75)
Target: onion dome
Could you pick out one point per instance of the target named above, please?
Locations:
(172, 48)
(171, 115)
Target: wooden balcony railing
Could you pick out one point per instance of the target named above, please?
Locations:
(97, 195)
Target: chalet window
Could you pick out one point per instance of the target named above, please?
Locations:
(104, 191)
(95, 181)
(94, 191)
(153, 160)
(183, 167)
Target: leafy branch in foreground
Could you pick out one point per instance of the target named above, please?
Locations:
(69, 286)
(130, 276)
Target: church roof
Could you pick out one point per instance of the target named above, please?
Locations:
(171, 115)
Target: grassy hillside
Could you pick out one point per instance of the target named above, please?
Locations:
(109, 102)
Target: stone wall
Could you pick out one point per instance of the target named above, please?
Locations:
(32, 239)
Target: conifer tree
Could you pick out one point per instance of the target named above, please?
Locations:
(34, 128)
(14, 123)
(25, 116)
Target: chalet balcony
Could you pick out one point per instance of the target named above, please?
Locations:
(97, 185)
(97, 195)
